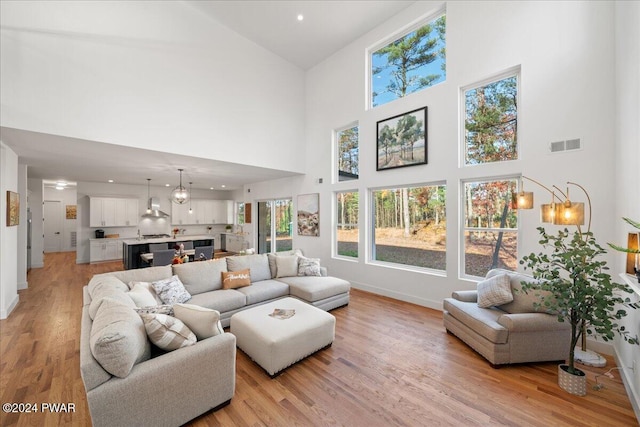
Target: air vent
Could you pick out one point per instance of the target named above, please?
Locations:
(74, 240)
(568, 145)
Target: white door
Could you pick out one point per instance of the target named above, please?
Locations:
(52, 223)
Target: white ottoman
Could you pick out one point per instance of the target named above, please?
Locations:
(276, 343)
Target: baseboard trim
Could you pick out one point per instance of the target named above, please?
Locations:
(5, 313)
(22, 286)
(627, 380)
(436, 305)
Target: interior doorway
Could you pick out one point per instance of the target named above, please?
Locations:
(52, 225)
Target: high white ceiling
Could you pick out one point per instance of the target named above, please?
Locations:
(327, 27)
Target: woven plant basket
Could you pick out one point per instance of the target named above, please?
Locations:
(574, 384)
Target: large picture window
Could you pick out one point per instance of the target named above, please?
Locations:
(409, 226)
(491, 121)
(275, 226)
(347, 235)
(490, 226)
(410, 63)
(347, 150)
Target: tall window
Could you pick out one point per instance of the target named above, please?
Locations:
(347, 149)
(275, 220)
(491, 121)
(410, 63)
(347, 224)
(409, 226)
(490, 226)
(240, 211)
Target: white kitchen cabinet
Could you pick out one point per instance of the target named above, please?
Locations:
(113, 212)
(105, 250)
(205, 212)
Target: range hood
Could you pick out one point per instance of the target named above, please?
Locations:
(153, 209)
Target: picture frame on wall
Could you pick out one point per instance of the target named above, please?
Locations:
(402, 140)
(71, 211)
(13, 208)
(309, 214)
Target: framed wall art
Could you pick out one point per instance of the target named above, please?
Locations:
(309, 214)
(13, 208)
(402, 140)
(71, 211)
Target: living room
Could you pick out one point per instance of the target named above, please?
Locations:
(163, 88)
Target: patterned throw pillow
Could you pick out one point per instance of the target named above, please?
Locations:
(236, 279)
(155, 309)
(204, 322)
(166, 332)
(171, 290)
(494, 291)
(309, 266)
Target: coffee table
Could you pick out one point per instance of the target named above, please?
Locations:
(275, 343)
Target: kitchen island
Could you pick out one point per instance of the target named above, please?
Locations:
(133, 248)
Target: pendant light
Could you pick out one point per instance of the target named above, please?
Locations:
(148, 196)
(190, 210)
(180, 195)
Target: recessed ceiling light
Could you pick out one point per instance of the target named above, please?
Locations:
(61, 184)
(211, 188)
(223, 186)
(109, 180)
(300, 17)
(59, 187)
(167, 185)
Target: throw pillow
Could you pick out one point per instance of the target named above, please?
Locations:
(141, 295)
(494, 291)
(309, 266)
(155, 309)
(171, 290)
(148, 286)
(204, 322)
(236, 279)
(287, 266)
(118, 339)
(166, 332)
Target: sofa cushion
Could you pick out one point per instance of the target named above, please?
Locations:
(264, 290)
(105, 281)
(309, 266)
(522, 302)
(222, 300)
(272, 259)
(204, 322)
(148, 286)
(118, 338)
(171, 290)
(201, 276)
(311, 288)
(258, 264)
(149, 274)
(483, 321)
(287, 266)
(494, 291)
(105, 290)
(236, 279)
(166, 332)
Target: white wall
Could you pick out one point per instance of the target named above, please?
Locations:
(21, 250)
(627, 171)
(149, 74)
(565, 51)
(8, 235)
(37, 231)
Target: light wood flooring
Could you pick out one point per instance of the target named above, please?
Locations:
(392, 364)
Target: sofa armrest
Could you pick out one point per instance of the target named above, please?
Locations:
(531, 322)
(170, 389)
(465, 296)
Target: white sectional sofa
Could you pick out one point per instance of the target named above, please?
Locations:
(171, 388)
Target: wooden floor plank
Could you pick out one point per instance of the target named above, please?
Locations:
(392, 364)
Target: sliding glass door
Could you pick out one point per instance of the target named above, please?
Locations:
(275, 219)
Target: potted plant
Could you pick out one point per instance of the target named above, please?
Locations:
(572, 282)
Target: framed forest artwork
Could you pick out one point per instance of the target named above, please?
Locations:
(402, 140)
